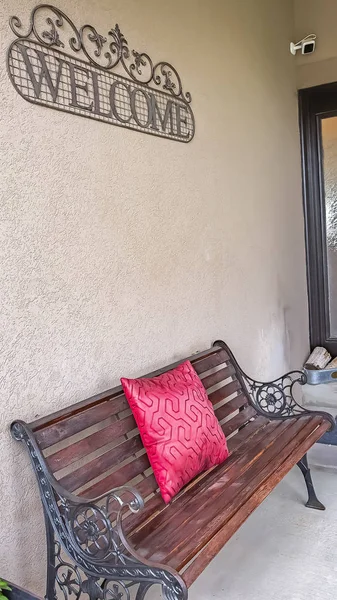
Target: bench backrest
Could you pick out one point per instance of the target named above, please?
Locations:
(94, 445)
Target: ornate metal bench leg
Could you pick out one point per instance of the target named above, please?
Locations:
(313, 501)
(50, 587)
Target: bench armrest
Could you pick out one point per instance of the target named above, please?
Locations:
(274, 399)
(91, 532)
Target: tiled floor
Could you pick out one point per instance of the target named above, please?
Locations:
(284, 551)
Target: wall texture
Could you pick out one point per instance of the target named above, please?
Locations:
(317, 16)
(120, 252)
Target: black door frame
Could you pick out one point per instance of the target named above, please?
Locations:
(315, 103)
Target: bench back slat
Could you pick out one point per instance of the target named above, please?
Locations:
(101, 464)
(240, 420)
(224, 392)
(226, 410)
(205, 364)
(66, 456)
(95, 445)
(119, 477)
(74, 424)
(201, 361)
(218, 376)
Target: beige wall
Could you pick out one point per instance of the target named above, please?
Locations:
(120, 252)
(319, 17)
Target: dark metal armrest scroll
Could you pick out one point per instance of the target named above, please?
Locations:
(274, 399)
(91, 533)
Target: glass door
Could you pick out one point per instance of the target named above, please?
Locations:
(329, 172)
(318, 119)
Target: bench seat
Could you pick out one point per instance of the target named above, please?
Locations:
(208, 511)
(107, 526)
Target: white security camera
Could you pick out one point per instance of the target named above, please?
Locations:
(307, 45)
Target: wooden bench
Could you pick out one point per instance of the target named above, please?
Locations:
(93, 472)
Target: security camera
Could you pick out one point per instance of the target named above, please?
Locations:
(307, 45)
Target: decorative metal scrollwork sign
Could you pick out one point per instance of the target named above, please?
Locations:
(80, 71)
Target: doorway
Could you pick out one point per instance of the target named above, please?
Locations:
(318, 124)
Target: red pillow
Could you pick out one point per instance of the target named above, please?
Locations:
(177, 424)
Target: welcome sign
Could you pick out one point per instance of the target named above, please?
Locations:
(90, 78)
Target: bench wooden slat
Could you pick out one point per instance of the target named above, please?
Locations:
(152, 507)
(77, 450)
(81, 476)
(60, 431)
(208, 513)
(218, 357)
(96, 467)
(93, 401)
(201, 484)
(239, 420)
(74, 409)
(156, 504)
(67, 422)
(262, 487)
(224, 392)
(218, 376)
(196, 495)
(119, 477)
(244, 434)
(227, 409)
(147, 486)
(220, 508)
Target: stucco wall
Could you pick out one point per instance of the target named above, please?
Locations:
(319, 17)
(120, 252)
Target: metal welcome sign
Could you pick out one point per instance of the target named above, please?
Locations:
(82, 72)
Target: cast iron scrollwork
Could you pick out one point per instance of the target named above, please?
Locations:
(115, 591)
(91, 530)
(104, 51)
(72, 582)
(91, 534)
(274, 399)
(67, 576)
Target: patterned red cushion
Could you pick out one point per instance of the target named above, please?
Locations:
(177, 424)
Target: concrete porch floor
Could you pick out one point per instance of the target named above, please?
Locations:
(284, 551)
